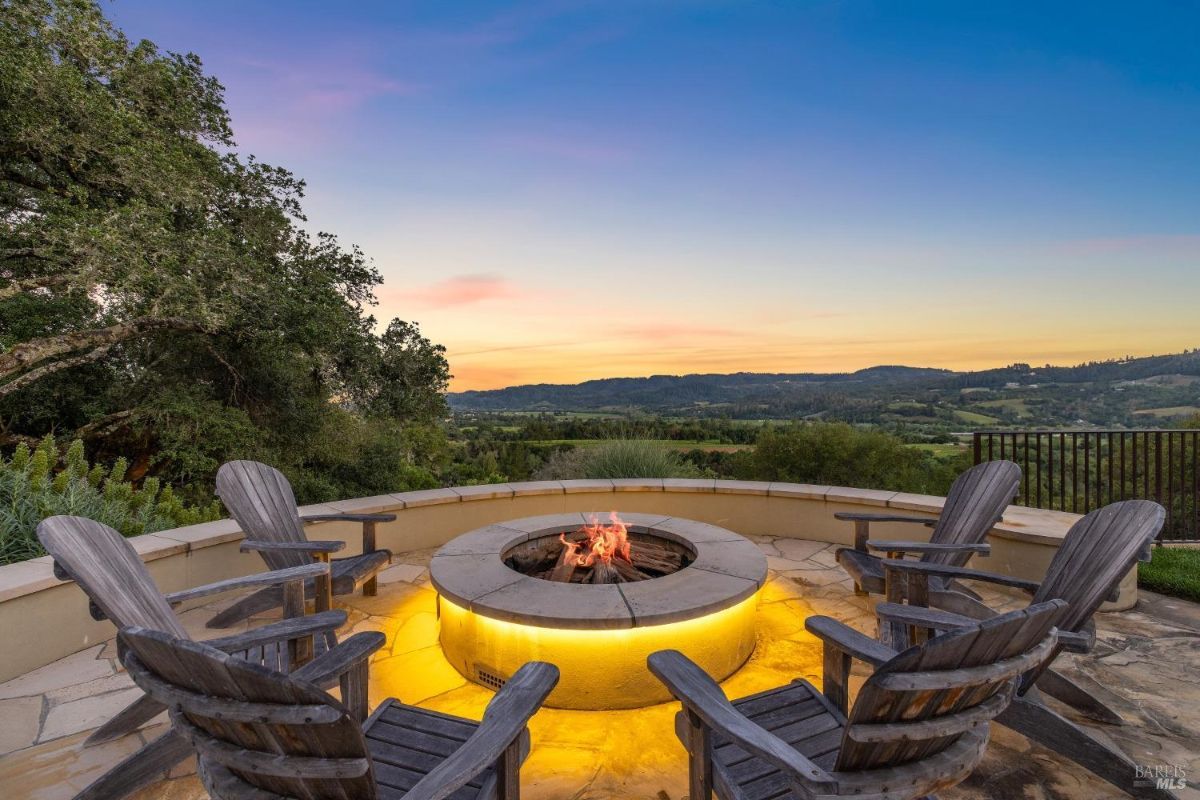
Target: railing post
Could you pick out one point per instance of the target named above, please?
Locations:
(1116, 465)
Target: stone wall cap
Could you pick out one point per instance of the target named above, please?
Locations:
(483, 491)
(689, 484)
(866, 497)
(26, 577)
(637, 484)
(428, 497)
(205, 534)
(917, 502)
(806, 491)
(589, 485)
(152, 547)
(742, 487)
(528, 488)
(378, 504)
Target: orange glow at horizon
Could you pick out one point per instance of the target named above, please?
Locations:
(567, 365)
(598, 321)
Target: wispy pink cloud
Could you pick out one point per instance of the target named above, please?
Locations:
(295, 103)
(460, 290)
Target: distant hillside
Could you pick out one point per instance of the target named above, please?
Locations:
(672, 391)
(1109, 392)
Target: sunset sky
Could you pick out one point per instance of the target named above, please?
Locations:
(561, 191)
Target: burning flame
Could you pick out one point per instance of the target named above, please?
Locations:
(604, 542)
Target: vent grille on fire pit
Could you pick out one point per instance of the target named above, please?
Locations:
(489, 678)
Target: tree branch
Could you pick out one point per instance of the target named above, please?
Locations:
(27, 354)
(35, 375)
(29, 284)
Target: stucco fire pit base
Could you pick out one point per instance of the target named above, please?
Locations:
(494, 619)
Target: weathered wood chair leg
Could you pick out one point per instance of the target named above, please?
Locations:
(127, 720)
(1029, 717)
(700, 766)
(1060, 687)
(370, 587)
(508, 773)
(140, 769)
(894, 634)
(353, 684)
(257, 603)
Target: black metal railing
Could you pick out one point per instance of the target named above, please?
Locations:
(1082, 470)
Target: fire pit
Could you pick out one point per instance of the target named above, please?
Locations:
(596, 593)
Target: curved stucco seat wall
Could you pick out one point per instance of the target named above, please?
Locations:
(45, 619)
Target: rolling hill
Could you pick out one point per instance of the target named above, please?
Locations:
(1096, 393)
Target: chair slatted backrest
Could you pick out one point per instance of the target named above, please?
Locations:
(252, 727)
(927, 697)
(974, 505)
(261, 500)
(1097, 552)
(109, 571)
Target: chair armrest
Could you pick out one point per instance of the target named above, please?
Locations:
(317, 547)
(959, 573)
(862, 524)
(274, 578)
(932, 618)
(368, 531)
(927, 547)
(503, 723)
(703, 698)
(1076, 642)
(348, 518)
(1080, 641)
(849, 641)
(325, 669)
(282, 631)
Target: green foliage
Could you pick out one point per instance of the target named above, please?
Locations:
(618, 458)
(837, 454)
(161, 297)
(38, 484)
(1174, 571)
(352, 456)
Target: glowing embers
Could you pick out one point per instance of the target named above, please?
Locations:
(601, 543)
(599, 553)
(495, 615)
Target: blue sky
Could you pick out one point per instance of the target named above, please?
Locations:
(560, 191)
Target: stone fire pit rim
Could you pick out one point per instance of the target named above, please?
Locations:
(469, 571)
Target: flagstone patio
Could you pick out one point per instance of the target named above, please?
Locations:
(1147, 662)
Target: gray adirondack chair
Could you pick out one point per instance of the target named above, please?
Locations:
(105, 566)
(919, 724)
(260, 734)
(975, 503)
(261, 500)
(1097, 552)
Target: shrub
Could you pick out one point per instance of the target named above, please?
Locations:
(38, 483)
(837, 454)
(618, 458)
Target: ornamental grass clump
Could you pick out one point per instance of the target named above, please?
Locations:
(618, 458)
(39, 483)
